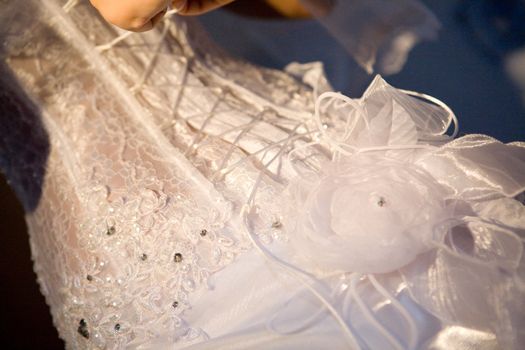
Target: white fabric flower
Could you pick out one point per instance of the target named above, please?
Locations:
(366, 215)
(400, 195)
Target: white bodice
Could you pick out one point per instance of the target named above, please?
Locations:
(156, 172)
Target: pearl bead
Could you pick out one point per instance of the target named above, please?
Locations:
(189, 285)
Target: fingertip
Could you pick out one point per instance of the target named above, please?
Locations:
(145, 27)
(158, 17)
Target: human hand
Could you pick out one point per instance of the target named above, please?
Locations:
(142, 15)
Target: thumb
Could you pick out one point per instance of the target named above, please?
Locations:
(197, 7)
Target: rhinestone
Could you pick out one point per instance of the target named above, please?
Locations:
(175, 304)
(82, 329)
(381, 202)
(204, 232)
(117, 327)
(144, 257)
(89, 278)
(111, 231)
(177, 257)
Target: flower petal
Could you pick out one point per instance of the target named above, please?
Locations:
(475, 164)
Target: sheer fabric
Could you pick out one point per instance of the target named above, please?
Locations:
(379, 34)
(177, 197)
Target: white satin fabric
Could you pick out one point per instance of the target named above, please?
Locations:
(179, 198)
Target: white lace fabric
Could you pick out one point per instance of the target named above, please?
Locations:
(150, 151)
(120, 199)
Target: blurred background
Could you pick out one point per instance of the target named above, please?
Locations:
(476, 65)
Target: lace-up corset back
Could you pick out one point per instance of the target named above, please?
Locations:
(126, 226)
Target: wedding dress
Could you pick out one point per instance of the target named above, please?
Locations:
(179, 198)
